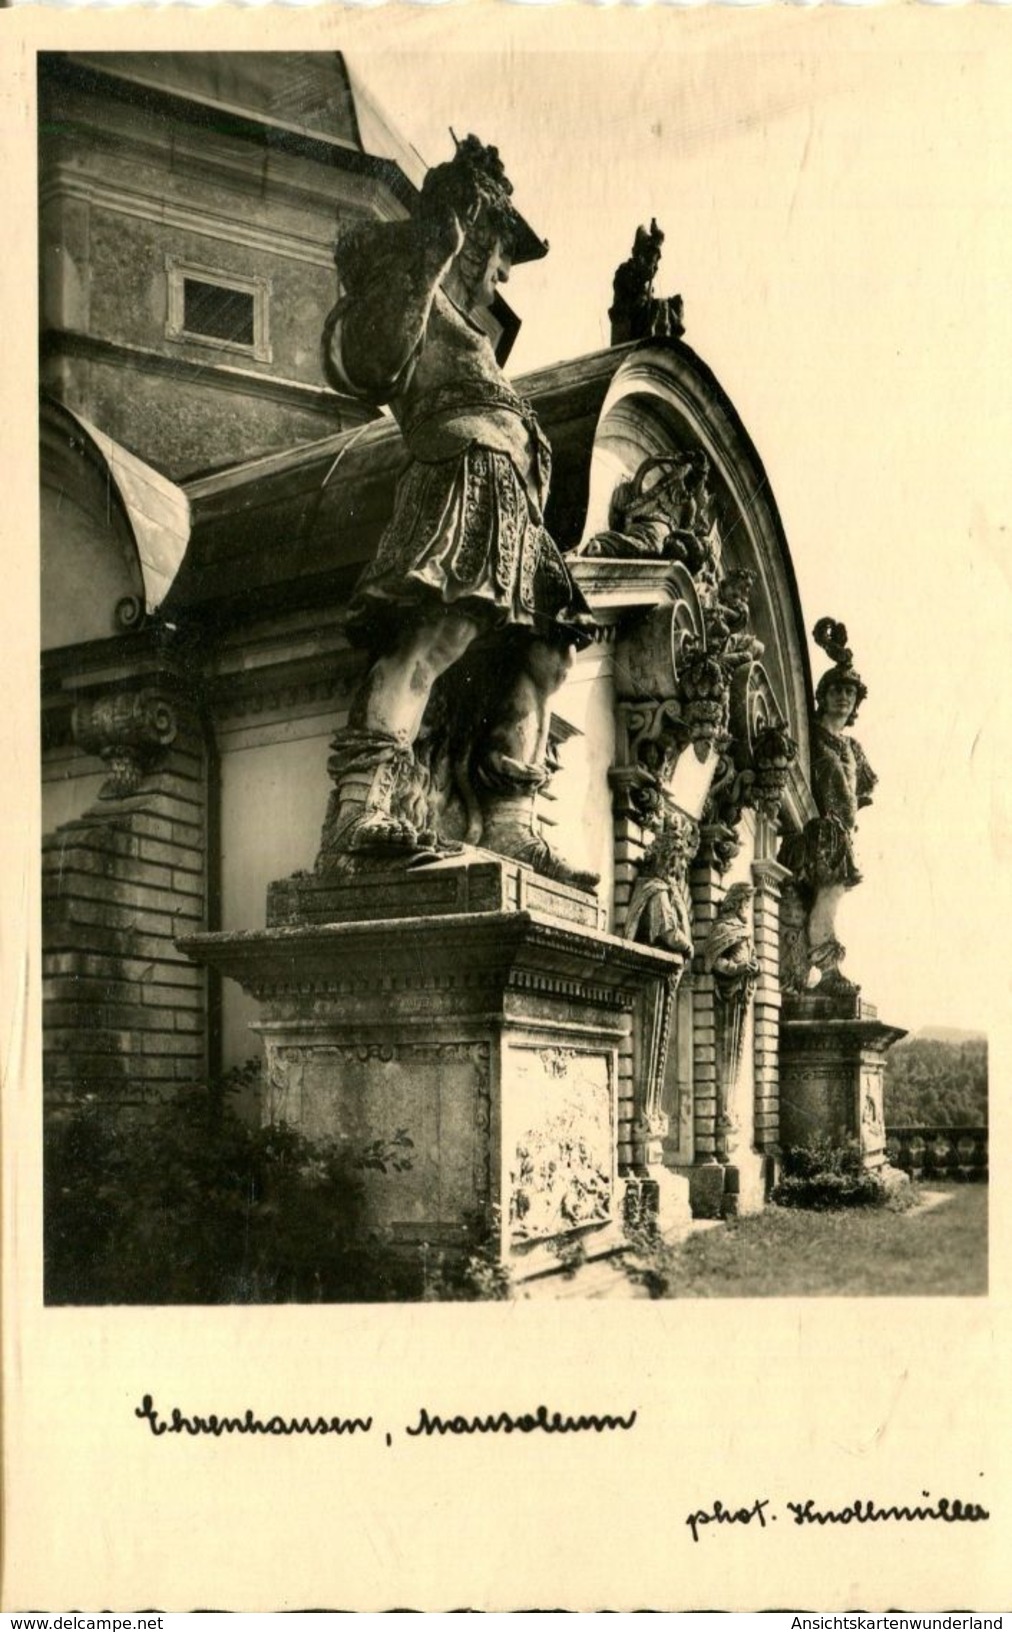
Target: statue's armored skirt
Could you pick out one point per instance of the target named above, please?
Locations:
(465, 535)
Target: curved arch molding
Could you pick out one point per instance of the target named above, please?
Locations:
(662, 400)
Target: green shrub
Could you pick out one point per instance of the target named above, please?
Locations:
(651, 1262)
(824, 1175)
(474, 1273)
(185, 1203)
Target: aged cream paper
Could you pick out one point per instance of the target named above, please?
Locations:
(735, 1400)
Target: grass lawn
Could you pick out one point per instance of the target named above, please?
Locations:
(787, 1253)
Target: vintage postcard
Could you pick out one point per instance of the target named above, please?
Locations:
(507, 853)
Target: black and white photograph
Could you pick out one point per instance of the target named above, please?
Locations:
(523, 585)
(451, 793)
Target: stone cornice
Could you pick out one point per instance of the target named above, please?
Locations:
(821, 1038)
(291, 665)
(223, 376)
(523, 950)
(184, 216)
(768, 875)
(245, 125)
(287, 692)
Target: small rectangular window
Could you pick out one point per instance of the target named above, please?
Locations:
(218, 309)
(224, 314)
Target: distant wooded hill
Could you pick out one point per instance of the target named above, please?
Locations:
(937, 1080)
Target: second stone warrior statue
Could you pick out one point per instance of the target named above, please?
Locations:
(465, 564)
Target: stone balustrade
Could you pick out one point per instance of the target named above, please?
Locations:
(939, 1153)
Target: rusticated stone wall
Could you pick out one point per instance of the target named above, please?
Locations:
(707, 892)
(767, 877)
(124, 1012)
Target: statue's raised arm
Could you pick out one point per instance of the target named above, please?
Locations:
(390, 271)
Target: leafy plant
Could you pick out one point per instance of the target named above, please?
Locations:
(478, 1275)
(186, 1203)
(652, 1262)
(571, 1255)
(825, 1175)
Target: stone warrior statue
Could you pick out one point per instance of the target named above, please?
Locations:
(636, 312)
(822, 856)
(466, 553)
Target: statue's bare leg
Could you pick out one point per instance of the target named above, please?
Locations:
(822, 923)
(396, 690)
(512, 765)
(372, 762)
(825, 951)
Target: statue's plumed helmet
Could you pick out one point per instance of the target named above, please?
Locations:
(832, 637)
(481, 168)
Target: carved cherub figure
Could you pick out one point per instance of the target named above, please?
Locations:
(727, 619)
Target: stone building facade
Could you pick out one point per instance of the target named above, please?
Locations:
(208, 503)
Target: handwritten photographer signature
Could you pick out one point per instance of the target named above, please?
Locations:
(861, 1511)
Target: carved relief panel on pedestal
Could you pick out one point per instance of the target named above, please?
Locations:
(559, 1144)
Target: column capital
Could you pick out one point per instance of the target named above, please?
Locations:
(129, 731)
(768, 875)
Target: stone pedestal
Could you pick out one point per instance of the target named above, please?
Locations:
(488, 1031)
(832, 1064)
(706, 1189)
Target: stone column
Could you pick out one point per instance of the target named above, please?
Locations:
(767, 878)
(629, 850)
(629, 847)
